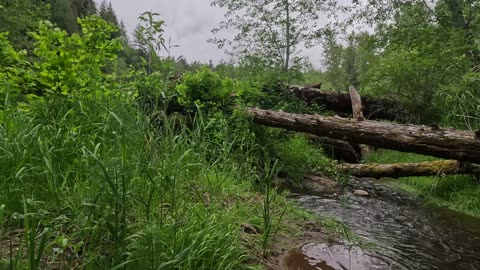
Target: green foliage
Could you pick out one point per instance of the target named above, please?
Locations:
(112, 190)
(298, 156)
(72, 65)
(417, 64)
(333, 55)
(34, 253)
(462, 101)
(64, 13)
(424, 55)
(149, 38)
(348, 65)
(16, 75)
(113, 183)
(270, 32)
(64, 65)
(277, 96)
(19, 17)
(142, 197)
(270, 171)
(205, 88)
(107, 13)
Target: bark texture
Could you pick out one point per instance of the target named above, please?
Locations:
(357, 109)
(444, 143)
(432, 168)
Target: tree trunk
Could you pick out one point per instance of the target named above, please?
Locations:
(432, 168)
(444, 143)
(287, 48)
(373, 108)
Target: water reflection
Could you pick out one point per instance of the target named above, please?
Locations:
(314, 256)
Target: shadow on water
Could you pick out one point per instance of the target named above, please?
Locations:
(405, 234)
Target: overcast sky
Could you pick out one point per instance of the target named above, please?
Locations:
(189, 24)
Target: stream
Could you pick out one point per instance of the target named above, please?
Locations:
(404, 233)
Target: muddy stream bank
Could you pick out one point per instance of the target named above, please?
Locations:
(401, 232)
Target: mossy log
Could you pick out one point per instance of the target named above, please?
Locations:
(397, 170)
(444, 143)
(373, 108)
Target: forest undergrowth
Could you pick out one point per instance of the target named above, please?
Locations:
(114, 157)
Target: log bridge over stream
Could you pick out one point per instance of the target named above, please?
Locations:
(460, 148)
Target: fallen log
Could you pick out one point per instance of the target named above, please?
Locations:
(373, 108)
(339, 150)
(397, 170)
(444, 143)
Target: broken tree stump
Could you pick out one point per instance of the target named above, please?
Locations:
(444, 143)
(397, 170)
(357, 111)
(356, 100)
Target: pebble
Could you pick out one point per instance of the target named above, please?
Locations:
(360, 192)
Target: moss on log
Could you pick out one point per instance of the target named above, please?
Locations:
(397, 170)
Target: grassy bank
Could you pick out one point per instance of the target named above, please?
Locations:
(91, 183)
(458, 192)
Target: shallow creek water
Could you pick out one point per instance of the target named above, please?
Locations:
(404, 234)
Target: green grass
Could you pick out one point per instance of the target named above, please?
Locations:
(93, 184)
(458, 192)
(297, 155)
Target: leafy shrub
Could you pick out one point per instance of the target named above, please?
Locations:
(15, 72)
(73, 64)
(204, 88)
(298, 156)
(462, 102)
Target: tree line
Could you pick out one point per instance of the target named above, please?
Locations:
(423, 53)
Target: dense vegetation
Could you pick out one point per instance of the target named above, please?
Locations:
(110, 159)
